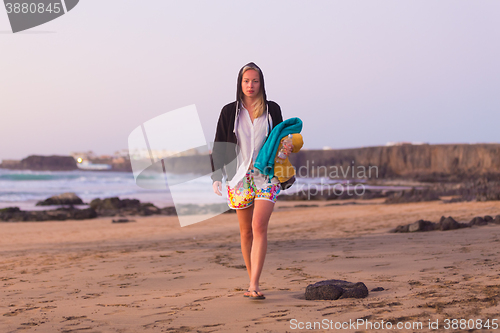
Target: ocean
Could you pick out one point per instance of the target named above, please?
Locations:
(24, 189)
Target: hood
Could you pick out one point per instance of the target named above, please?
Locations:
(239, 92)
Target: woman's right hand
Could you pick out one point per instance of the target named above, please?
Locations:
(288, 149)
(217, 187)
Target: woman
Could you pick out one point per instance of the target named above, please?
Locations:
(246, 123)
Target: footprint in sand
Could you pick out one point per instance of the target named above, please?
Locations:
(91, 296)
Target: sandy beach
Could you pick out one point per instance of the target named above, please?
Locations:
(151, 275)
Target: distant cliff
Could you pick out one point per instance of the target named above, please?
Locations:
(42, 163)
(452, 162)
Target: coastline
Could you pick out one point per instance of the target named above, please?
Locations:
(153, 274)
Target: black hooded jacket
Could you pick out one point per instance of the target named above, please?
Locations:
(223, 154)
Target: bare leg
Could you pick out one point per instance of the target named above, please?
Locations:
(261, 214)
(246, 235)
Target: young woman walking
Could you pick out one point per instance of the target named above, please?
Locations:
(245, 125)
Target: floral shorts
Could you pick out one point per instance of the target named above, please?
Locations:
(245, 192)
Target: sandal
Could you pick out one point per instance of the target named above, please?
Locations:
(257, 295)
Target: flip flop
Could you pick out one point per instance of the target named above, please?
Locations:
(259, 296)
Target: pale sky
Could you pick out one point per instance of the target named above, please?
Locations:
(358, 73)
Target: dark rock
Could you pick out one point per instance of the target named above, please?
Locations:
(378, 289)
(496, 220)
(59, 214)
(61, 199)
(488, 218)
(335, 289)
(10, 210)
(448, 223)
(401, 228)
(479, 221)
(168, 211)
(78, 214)
(149, 209)
(115, 206)
(421, 225)
(122, 221)
(445, 223)
(481, 189)
(110, 204)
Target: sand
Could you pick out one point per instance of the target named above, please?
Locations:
(151, 275)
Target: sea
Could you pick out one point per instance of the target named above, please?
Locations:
(24, 188)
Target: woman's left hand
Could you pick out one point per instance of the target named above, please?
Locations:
(217, 186)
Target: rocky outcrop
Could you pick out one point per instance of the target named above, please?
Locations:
(335, 289)
(68, 198)
(14, 214)
(98, 208)
(115, 206)
(105, 207)
(445, 223)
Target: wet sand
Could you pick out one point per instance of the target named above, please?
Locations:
(154, 276)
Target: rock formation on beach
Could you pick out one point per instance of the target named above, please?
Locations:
(102, 208)
(446, 223)
(115, 206)
(61, 199)
(98, 208)
(14, 214)
(335, 289)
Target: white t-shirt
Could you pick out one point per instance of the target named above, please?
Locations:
(251, 138)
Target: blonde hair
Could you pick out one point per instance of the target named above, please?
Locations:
(260, 102)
